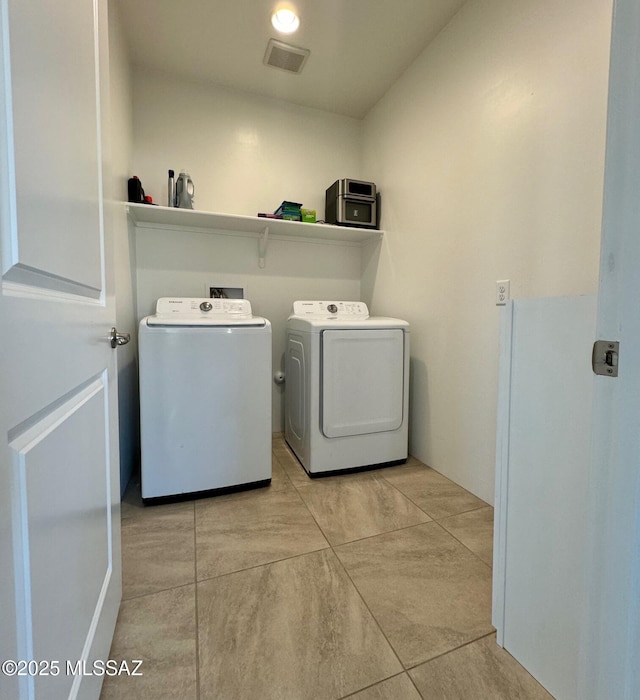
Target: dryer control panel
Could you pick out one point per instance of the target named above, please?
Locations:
(331, 309)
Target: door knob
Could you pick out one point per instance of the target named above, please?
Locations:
(118, 338)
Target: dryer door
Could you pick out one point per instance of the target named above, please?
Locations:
(362, 381)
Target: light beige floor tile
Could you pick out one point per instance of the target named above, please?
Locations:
(158, 549)
(287, 460)
(279, 477)
(255, 527)
(383, 472)
(414, 461)
(279, 443)
(396, 688)
(342, 478)
(478, 671)
(428, 592)
(348, 509)
(295, 471)
(159, 629)
(292, 630)
(435, 494)
(475, 530)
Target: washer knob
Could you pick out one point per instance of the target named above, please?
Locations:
(332, 309)
(206, 306)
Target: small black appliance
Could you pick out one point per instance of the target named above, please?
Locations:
(352, 203)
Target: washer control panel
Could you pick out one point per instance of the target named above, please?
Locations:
(331, 309)
(228, 308)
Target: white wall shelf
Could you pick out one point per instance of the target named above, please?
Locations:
(146, 215)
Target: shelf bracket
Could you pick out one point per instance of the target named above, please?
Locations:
(263, 242)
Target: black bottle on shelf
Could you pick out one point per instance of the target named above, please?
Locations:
(136, 193)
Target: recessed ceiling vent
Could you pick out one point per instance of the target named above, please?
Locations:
(285, 57)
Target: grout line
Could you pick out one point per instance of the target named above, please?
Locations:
(381, 534)
(373, 617)
(463, 512)
(286, 473)
(195, 575)
(484, 505)
(373, 685)
(450, 651)
(407, 497)
(444, 476)
(413, 683)
(296, 486)
(477, 556)
(313, 517)
(160, 590)
(266, 563)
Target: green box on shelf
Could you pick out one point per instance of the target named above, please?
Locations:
(308, 215)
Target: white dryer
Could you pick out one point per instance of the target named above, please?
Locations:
(205, 398)
(347, 387)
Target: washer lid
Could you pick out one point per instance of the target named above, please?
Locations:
(196, 311)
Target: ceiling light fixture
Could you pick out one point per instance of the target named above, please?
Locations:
(285, 21)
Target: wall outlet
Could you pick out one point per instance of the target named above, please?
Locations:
(502, 292)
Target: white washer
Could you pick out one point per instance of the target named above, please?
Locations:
(347, 387)
(205, 398)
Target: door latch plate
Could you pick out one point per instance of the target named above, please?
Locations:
(605, 357)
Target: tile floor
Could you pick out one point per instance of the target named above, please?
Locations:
(372, 586)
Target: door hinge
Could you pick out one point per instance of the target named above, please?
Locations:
(604, 359)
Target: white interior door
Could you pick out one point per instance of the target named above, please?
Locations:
(574, 621)
(59, 495)
(611, 636)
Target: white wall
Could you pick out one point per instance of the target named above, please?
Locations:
(245, 154)
(489, 152)
(121, 152)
